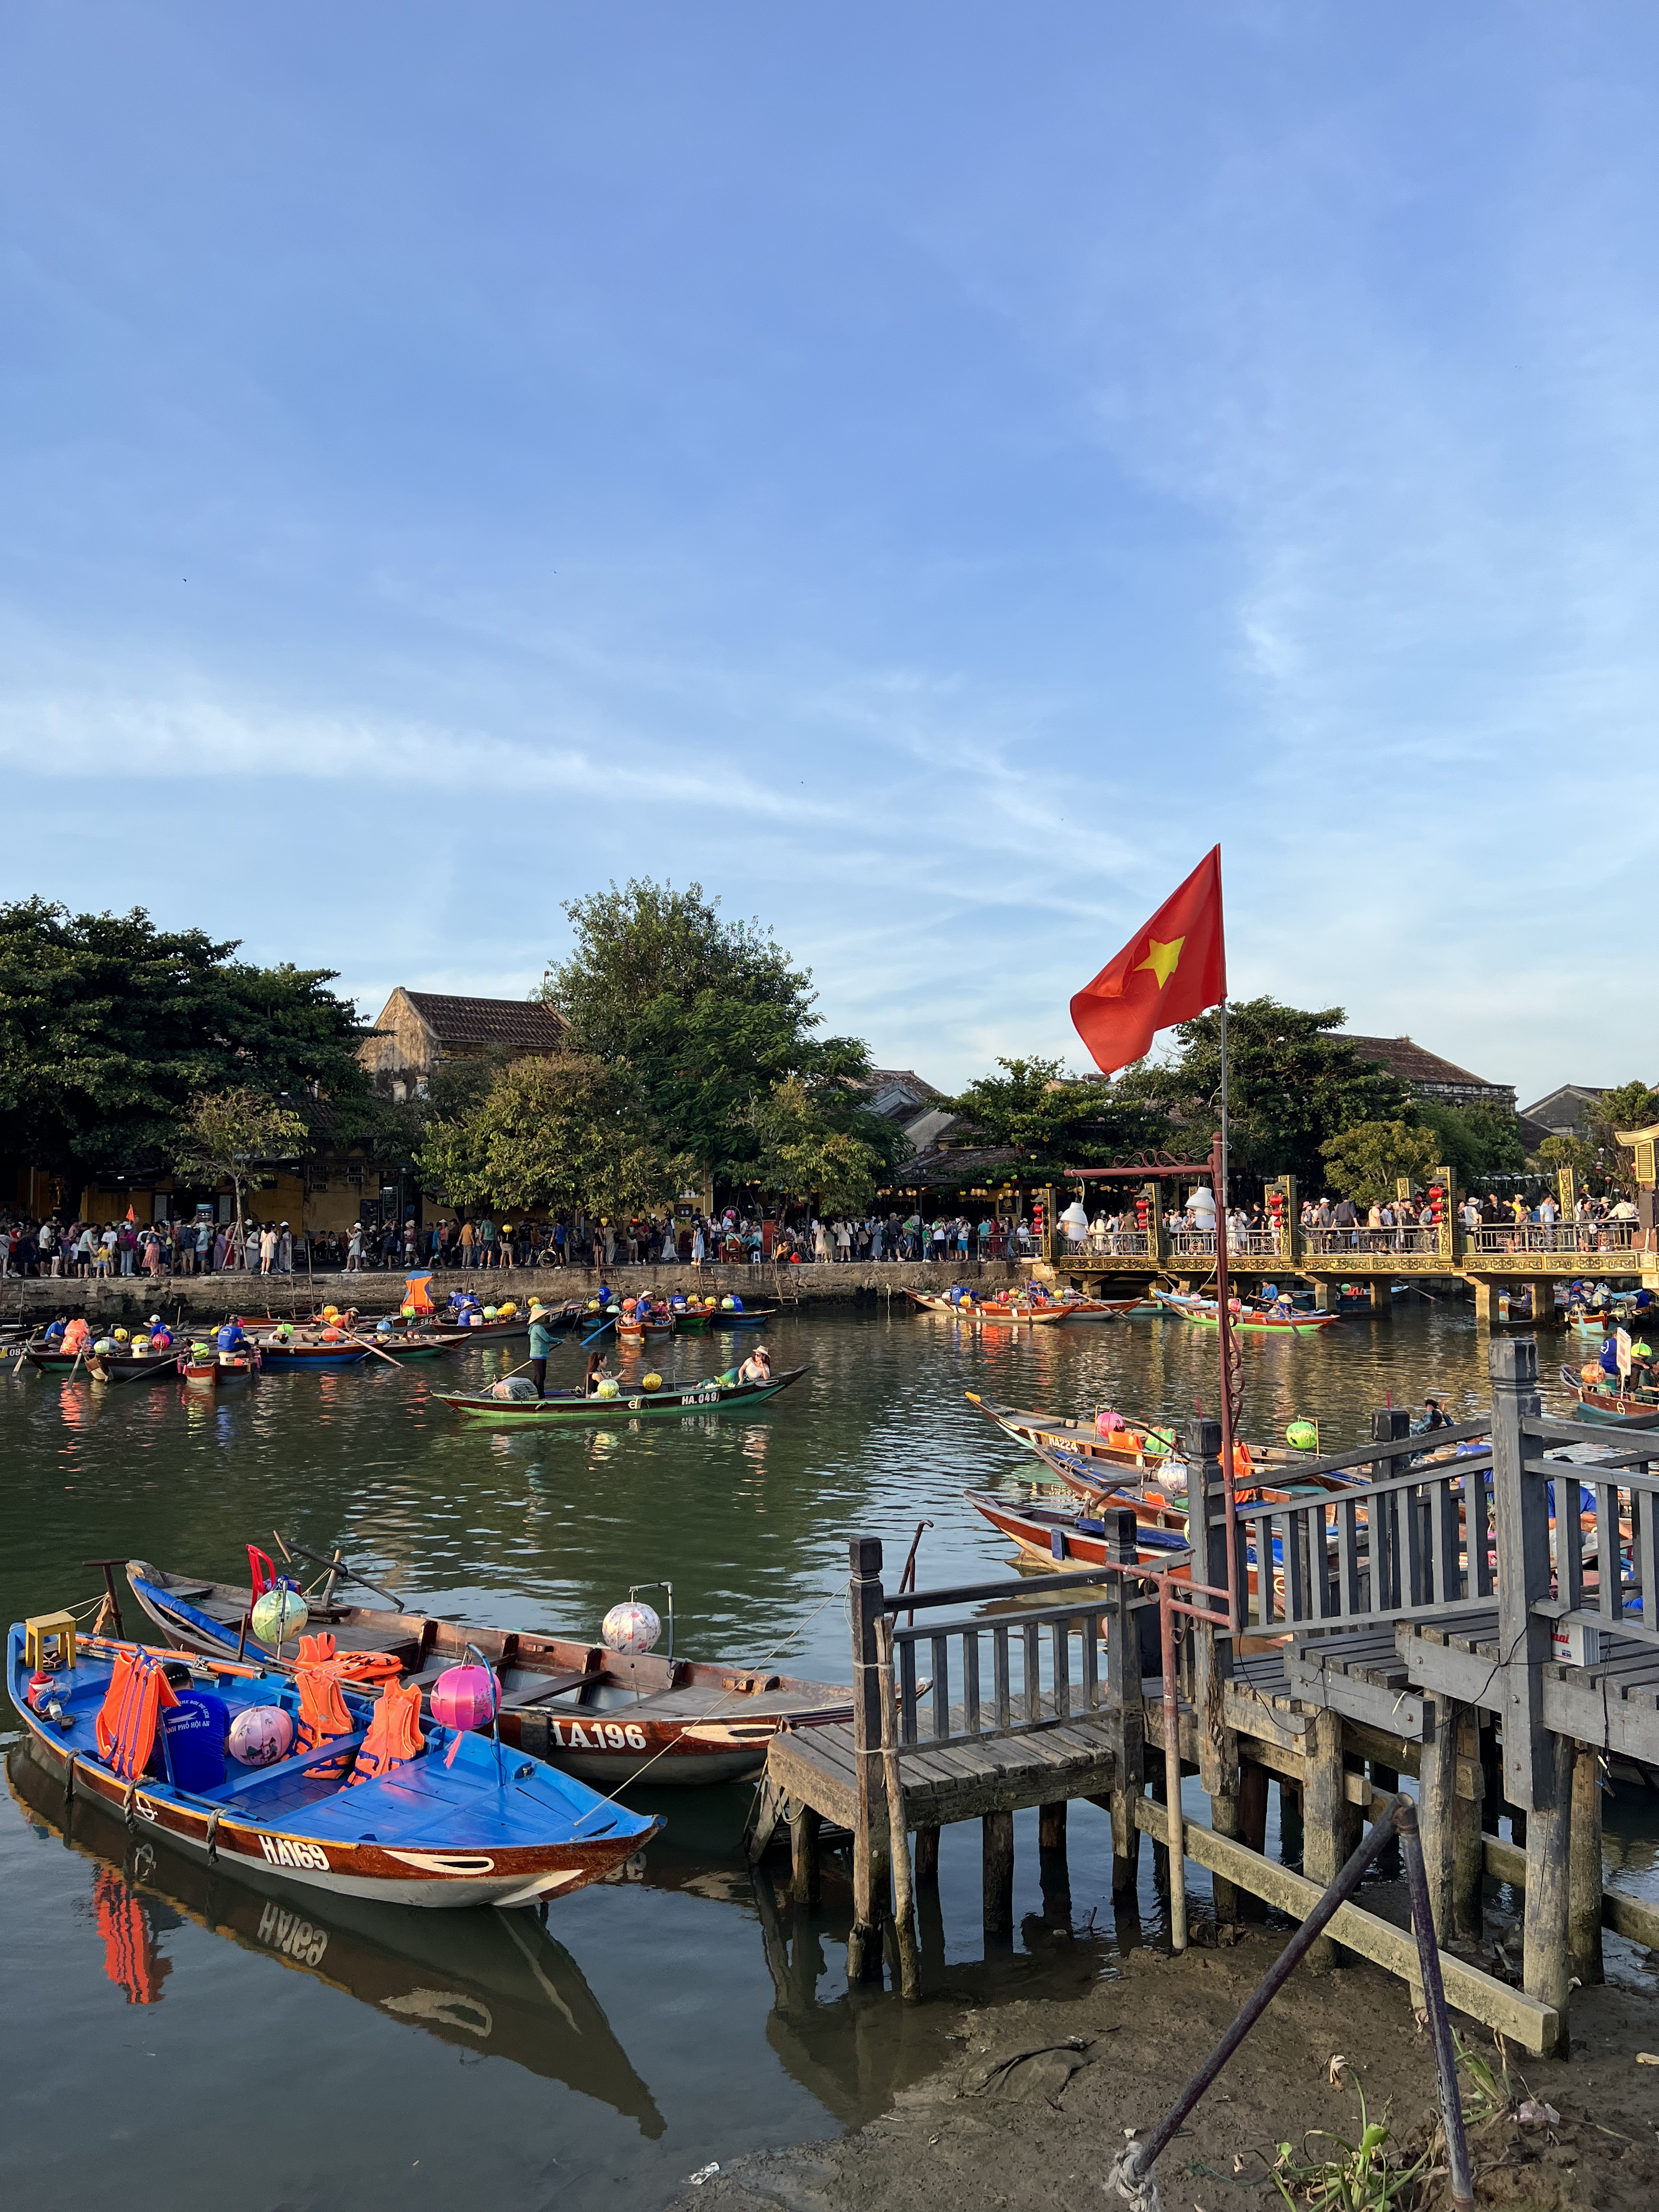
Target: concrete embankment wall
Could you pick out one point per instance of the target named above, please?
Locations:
(129, 1299)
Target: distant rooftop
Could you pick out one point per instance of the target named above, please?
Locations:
(521, 1024)
(1422, 1070)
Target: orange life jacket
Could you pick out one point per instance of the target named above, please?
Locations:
(138, 1691)
(1243, 1463)
(394, 1733)
(322, 1713)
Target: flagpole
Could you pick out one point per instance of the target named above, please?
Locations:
(1224, 1338)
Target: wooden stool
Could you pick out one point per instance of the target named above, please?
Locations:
(44, 1629)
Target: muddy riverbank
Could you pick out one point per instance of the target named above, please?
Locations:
(1030, 2111)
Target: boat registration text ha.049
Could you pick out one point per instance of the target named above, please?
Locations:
(286, 1850)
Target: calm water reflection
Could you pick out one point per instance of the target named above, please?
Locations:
(682, 2015)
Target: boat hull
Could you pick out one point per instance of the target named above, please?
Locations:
(467, 1866)
(610, 1412)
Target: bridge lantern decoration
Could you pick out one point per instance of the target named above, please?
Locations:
(1039, 1216)
(1276, 1204)
(1437, 1204)
(1143, 1211)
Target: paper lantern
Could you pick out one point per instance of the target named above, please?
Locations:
(466, 1697)
(633, 1628)
(261, 1735)
(279, 1614)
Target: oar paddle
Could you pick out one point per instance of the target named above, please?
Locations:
(339, 1567)
(364, 1342)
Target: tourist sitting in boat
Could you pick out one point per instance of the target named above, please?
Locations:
(55, 1329)
(757, 1368)
(598, 1373)
(230, 1340)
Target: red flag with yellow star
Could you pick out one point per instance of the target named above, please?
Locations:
(1169, 970)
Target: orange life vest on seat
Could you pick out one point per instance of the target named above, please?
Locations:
(323, 1714)
(394, 1735)
(138, 1692)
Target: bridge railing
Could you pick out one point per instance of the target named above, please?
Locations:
(1604, 1556)
(1404, 1236)
(1109, 1244)
(1523, 1236)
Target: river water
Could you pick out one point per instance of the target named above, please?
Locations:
(164, 2027)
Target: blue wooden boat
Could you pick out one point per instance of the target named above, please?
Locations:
(465, 1821)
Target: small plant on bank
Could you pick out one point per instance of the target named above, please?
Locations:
(1355, 2176)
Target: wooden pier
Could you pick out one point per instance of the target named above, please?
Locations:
(1437, 1621)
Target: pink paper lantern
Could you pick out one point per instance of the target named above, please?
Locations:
(466, 1697)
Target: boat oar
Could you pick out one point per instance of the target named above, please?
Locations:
(610, 1321)
(338, 1566)
(375, 1348)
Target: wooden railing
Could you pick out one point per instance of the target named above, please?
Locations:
(1615, 1528)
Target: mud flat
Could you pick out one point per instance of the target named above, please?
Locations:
(1038, 2095)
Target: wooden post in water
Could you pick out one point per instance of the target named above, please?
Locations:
(804, 1826)
(1584, 1867)
(927, 1854)
(1323, 1809)
(998, 1872)
(1546, 1969)
(1124, 1704)
(869, 1861)
(1521, 1517)
(1219, 1761)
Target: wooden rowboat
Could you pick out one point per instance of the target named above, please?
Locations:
(600, 1714)
(108, 1367)
(991, 1313)
(1623, 1413)
(1203, 1312)
(562, 1408)
(461, 1823)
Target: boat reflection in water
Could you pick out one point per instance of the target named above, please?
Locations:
(490, 1982)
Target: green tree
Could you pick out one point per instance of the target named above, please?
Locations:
(708, 1016)
(1557, 1152)
(1476, 1142)
(1632, 1105)
(814, 1143)
(228, 1136)
(1036, 1106)
(561, 1135)
(1293, 1083)
(1364, 1162)
(110, 1028)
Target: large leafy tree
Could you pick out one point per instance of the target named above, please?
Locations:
(557, 1134)
(110, 1027)
(815, 1142)
(1366, 1161)
(1293, 1083)
(1476, 1142)
(1036, 1106)
(709, 1017)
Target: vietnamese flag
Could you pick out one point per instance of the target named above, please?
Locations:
(1171, 969)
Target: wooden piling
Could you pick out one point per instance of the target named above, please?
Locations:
(928, 1855)
(1435, 1808)
(1547, 1963)
(1252, 1829)
(897, 1833)
(1469, 1859)
(1126, 1706)
(869, 1860)
(1160, 1793)
(1323, 1811)
(1584, 1867)
(805, 1881)
(1051, 1827)
(997, 1849)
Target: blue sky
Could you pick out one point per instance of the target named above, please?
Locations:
(926, 472)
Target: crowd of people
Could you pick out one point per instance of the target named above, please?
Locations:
(1339, 1225)
(204, 1245)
